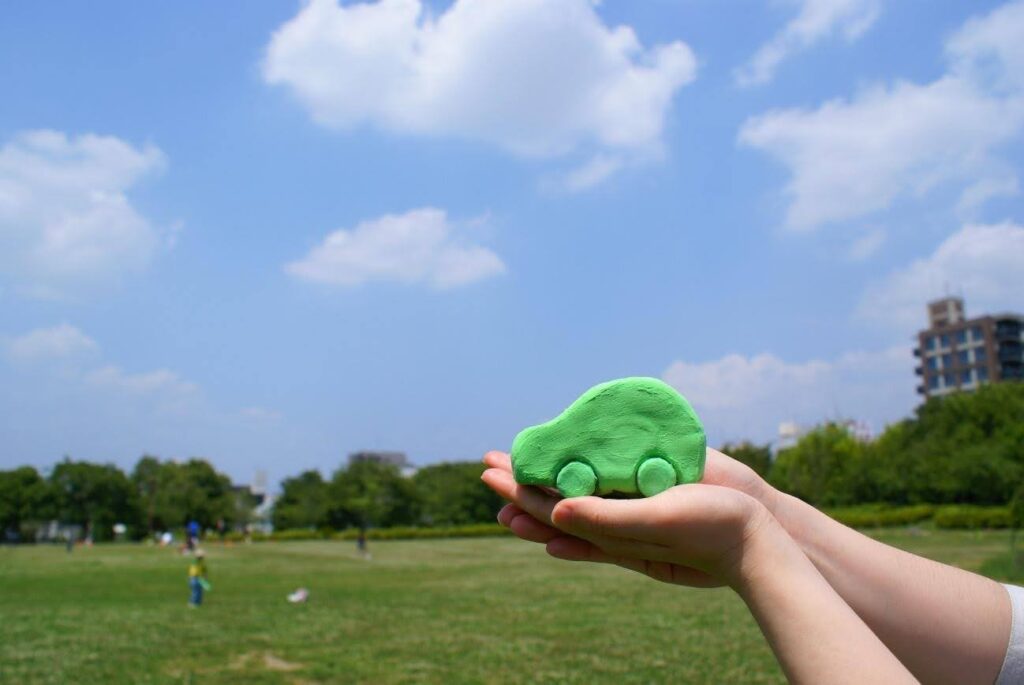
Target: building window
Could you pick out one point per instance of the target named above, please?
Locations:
(961, 358)
(947, 361)
(929, 343)
(933, 382)
(977, 334)
(961, 337)
(965, 377)
(982, 374)
(944, 341)
(979, 355)
(948, 380)
(933, 363)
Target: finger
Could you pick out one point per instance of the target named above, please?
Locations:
(574, 549)
(531, 500)
(530, 529)
(643, 519)
(498, 460)
(507, 513)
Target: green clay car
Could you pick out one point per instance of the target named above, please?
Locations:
(634, 436)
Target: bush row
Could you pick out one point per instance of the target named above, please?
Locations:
(962, 516)
(881, 516)
(395, 533)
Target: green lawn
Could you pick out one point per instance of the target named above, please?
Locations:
(469, 611)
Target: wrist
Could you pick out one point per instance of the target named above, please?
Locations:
(767, 551)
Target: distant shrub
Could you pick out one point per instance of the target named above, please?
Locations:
(972, 517)
(474, 530)
(881, 515)
(298, 534)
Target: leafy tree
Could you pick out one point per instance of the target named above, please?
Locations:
(172, 493)
(24, 497)
(962, 448)
(757, 457)
(821, 468)
(452, 494)
(370, 493)
(147, 476)
(303, 502)
(94, 496)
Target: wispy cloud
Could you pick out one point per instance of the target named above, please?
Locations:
(539, 79)
(742, 396)
(853, 157)
(65, 218)
(816, 20)
(981, 261)
(419, 246)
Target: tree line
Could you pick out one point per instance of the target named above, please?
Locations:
(161, 495)
(966, 448)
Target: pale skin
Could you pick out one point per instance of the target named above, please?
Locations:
(834, 605)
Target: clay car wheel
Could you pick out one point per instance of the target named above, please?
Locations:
(655, 475)
(576, 479)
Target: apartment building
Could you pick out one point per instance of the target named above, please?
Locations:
(957, 353)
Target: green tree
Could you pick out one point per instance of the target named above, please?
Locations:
(94, 496)
(822, 467)
(172, 493)
(25, 497)
(303, 502)
(757, 457)
(370, 493)
(962, 448)
(452, 494)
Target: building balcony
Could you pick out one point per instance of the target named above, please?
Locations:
(1011, 354)
(917, 352)
(1006, 332)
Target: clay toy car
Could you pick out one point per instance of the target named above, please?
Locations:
(633, 436)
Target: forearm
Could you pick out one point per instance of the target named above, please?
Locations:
(945, 624)
(815, 635)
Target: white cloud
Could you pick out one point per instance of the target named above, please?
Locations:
(161, 384)
(867, 245)
(852, 157)
(815, 21)
(59, 342)
(261, 414)
(65, 220)
(534, 77)
(591, 173)
(741, 397)
(984, 262)
(420, 246)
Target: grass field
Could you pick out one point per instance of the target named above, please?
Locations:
(491, 610)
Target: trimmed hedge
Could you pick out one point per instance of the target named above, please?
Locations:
(881, 516)
(475, 530)
(397, 533)
(972, 517)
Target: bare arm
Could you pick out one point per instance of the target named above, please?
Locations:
(946, 624)
(707, 535)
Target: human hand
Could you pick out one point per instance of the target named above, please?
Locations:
(695, 534)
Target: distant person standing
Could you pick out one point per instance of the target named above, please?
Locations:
(197, 578)
(361, 544)
(192, 535)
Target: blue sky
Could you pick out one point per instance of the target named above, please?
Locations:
(269, 234)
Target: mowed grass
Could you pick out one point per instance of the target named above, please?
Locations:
(438, 611)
